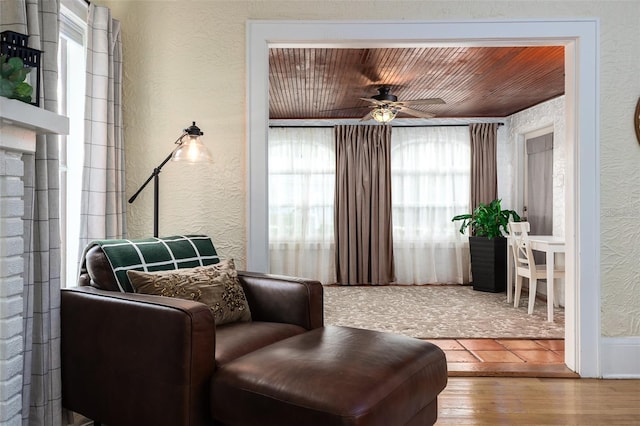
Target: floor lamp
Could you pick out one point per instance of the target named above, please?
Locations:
(189, 148)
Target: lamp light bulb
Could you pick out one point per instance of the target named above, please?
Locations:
(193, 150)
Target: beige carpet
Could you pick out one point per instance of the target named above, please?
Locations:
(435, 311)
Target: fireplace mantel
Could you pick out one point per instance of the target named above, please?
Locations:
(20, 123)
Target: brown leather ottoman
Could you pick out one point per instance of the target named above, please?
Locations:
(332, 376)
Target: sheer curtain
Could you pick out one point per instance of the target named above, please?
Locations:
(301, 193)
(430, 184)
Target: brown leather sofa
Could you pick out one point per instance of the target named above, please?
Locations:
(134, 359)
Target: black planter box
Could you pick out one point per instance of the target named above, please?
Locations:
(489, 263)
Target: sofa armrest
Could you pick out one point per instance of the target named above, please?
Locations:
(290, 300)
(132, 359)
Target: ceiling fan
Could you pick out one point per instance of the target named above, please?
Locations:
(386, 106)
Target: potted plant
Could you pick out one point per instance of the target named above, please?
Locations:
(12, 79)
(488, 247)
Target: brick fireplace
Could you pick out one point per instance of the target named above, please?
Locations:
(19, 125)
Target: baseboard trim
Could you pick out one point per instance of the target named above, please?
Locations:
(620, 357)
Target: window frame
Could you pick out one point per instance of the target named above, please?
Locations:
(71, 90)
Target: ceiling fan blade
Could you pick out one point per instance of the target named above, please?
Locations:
(415, 112)
(430, 101)
(367, 117)
(374, 101)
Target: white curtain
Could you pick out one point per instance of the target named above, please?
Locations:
(430, 171)
(103, 205)
(41, 388)
(301, 197)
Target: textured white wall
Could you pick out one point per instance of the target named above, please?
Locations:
(505, 158)
(185, 61)
(549, 114)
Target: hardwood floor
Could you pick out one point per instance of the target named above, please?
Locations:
(539, 401)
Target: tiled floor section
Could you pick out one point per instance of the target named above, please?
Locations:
(505, 357)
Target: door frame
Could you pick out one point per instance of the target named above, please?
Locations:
(580, 36)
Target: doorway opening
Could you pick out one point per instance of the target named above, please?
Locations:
(581, 213)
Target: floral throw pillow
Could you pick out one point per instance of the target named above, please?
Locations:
(217, 286)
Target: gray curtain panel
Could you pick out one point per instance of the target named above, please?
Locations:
(41, 390)
(363, 226)
(484, 170)
(103, 205)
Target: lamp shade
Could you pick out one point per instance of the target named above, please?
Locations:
(191, 148)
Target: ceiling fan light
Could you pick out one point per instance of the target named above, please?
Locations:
(383, 115)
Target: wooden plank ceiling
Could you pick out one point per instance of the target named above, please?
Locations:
(308, 83)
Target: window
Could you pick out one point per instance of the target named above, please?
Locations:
(430, 171)
(430, 175)
(71, 95)
(301, 192)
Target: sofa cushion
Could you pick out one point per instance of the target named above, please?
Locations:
(216, 286)
(240, 338)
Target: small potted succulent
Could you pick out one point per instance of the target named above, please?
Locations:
(12, 79)
(487, 244)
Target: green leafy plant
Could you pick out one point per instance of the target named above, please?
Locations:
(12, 76)
(487, 220)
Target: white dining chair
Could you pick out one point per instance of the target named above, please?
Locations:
(525, 267)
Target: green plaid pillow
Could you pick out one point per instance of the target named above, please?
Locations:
(156, 254)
